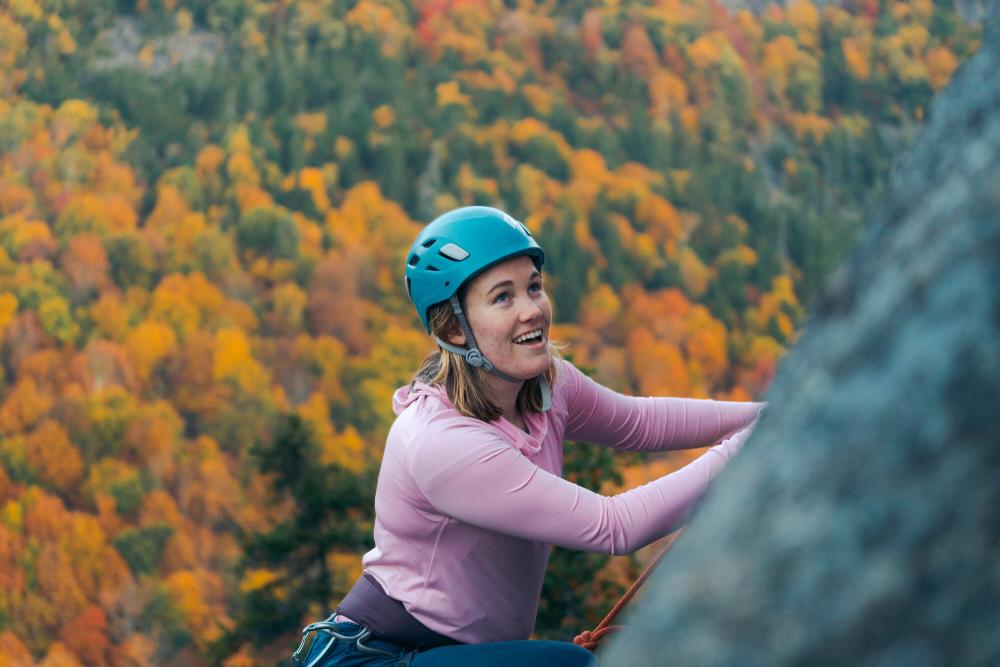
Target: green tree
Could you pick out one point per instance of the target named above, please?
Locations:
(333, 511)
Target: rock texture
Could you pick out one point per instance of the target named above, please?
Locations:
(861, 523)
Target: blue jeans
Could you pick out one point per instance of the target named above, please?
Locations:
(347, 652)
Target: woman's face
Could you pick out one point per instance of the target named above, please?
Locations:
(504, 305)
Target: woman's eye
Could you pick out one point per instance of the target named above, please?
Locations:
(501, 297)
(534, 288)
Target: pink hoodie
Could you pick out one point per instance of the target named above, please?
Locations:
(466, 510)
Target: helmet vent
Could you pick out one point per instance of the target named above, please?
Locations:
(432, 268)
(428, 243)
(453, 252)
(414, 260)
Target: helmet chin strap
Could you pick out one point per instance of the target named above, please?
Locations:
(476, 359)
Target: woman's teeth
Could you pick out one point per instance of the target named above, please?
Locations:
(529, 337)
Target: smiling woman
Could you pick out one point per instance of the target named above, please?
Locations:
(470, 495)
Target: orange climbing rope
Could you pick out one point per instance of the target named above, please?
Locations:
(590, 639)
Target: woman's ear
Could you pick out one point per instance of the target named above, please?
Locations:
(457, 338)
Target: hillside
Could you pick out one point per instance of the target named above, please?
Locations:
(204, 208)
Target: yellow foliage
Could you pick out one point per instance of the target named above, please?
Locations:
(667, 92)
(314, 180)
(26, 9)
(170, 208)
(345, 449)
(383, 117)
(233, 360)
(914, 38)
(742, 255)
(343, 147)
(313, 124)
(172, 305)
(8, 308)
(65, 43)
(241, 169)
(448, 93)
(57, 321)
(694, 273)
(372, 17)
(705, 51)
(601, 308)
(779, 55)
(12, 516)
(922, 9)
(763, 349)
(804, 16)
(148, 344)
(100, 215)
(589, 165)
(662, 221)
(527, 129)
(689, 119)
(857, 57)
(209, 159)
(316, 414)
(810, 124)
(473, 188)
(184, 21)
(750, 26)
(257, 578)
(856, 124)
(185, 589)
(680, 178)
(538, 97)
(347, 565)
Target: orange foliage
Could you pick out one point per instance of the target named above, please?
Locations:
(87, 636)
(57, 460)
(59, 655)
(941, 63)
(24, 406)
(12, 652)
(85, 265)
(656, 366)
(637, 51)
(147, 345)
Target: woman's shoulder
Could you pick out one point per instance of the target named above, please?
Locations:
(567, 378)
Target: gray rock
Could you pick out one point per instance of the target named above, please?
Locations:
(861, 523)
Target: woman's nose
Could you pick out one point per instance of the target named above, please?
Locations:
(530, 310)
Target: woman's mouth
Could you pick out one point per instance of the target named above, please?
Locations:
(535, 338)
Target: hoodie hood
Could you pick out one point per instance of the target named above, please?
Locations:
(526, 443)
(409, 394)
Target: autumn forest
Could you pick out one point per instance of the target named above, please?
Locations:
(204, 210)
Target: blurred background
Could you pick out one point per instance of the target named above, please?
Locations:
(204, 210)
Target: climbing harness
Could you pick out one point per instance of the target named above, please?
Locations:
(591, 639)
(328, 627)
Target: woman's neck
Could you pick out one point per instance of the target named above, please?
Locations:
(504, 394)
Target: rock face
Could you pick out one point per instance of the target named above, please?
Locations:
(861, 523)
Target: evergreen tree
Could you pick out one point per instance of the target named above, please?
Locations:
(333, 512)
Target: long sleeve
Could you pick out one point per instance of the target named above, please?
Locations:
(599, 415)
(485, 482)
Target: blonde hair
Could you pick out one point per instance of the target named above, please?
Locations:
(466, 386)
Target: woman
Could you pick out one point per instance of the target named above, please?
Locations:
(470, 495)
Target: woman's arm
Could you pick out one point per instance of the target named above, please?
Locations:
(482, 480)
(599, 415)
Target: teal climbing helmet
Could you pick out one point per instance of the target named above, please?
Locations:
(459, 245)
